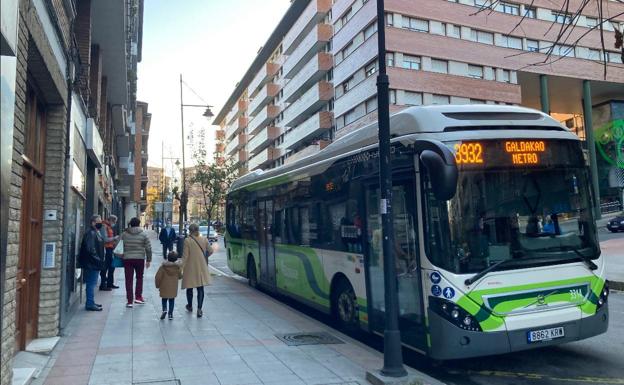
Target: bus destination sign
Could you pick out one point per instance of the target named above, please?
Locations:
(493, 153)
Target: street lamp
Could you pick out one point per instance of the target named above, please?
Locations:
(184, 195)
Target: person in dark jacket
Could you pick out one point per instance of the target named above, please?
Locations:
(91, 259)
(107, 274)
(167, 238)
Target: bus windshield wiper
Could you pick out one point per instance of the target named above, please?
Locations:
(476, 277)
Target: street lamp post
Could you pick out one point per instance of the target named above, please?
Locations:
(393, 359)
(184, 193)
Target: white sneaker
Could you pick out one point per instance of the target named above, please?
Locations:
(129, 304)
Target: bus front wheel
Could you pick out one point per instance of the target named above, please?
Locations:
(251, 272)
(344, 306)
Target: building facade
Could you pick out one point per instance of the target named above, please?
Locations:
(315, 78)
(68, 100)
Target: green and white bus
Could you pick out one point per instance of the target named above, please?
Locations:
(495, 243)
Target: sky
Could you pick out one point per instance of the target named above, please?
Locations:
(211, 43)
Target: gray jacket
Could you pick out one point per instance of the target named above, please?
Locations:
(136, 244)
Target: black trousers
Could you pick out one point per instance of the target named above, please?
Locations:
(107, 275)
(200, 296)
(167, 249)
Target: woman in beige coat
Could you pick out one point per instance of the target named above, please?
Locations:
(194, 267)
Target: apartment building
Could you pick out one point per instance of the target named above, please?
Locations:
(438, 52)
(68, 107)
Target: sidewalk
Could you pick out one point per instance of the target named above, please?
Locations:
(234, 343)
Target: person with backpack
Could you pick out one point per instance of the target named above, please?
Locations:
(166, 281)
(195, 267)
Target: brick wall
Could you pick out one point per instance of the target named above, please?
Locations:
(53, 192)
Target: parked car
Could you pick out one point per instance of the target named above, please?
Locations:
(616, 224)
(210, 234)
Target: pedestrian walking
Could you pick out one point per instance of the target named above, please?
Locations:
(137, 249)
(107, 274)
(166, 281)
(195, 274)
(91, 259)
(167, 238)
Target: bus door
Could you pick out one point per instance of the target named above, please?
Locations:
(265, 242)
(411, 313)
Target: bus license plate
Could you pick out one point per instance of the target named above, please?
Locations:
(545, 334)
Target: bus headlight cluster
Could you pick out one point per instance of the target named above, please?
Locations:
(604, 294)
(454, 313)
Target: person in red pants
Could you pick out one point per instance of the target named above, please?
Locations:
(137, 256)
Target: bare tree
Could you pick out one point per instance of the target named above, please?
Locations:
(565, 35)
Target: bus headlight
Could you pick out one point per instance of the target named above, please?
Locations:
(454, 314)
(602, 299)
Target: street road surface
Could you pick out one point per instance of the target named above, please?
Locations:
(598, 360)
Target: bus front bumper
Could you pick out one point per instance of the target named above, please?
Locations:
(449, 342)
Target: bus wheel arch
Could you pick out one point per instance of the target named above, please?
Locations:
(252, 274)
(344, 307)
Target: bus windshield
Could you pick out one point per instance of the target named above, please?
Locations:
(502, 211)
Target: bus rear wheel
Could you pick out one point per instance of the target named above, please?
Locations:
(252, 277)
(344, 306)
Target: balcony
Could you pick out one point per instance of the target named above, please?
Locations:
(236, 143)
(240, 157)
(358, 94)
(311, 73)
(237, 126)
(309, 150)
(313, 99)
(94, 143)
(119, 118)
(315, 125)
(144, 154)
(220, 134)
(314, 13)
(220, 148)
(262, 118)
(263, 96)
(309, 46)
(263, 139)
(263, 158)
(237, 109)
(265, 74)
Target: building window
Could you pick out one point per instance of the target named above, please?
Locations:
(530, 12)
(350, 117)
(505, 76)
(593, 54)
(441, 99)
(392, 94)
(482, 3)
(532, 45)
(591, 22)
(370, 30)
(370, 69)
(415, 24)
(440, 66)
(481, 36)
(371, 105)
(562, 18)
(477, 101)
(411, 62)
(511, 9)
(563, 50)
(413, 98)
(345, 18)
(475, 71)
(389, 19)
(390, 59)
(614, 57)
(512, 42)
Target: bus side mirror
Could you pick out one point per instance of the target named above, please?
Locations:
(440, 163)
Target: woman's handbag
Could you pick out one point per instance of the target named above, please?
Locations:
(205, 252)
(117, 252)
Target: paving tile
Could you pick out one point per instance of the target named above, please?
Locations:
(68, 380)
(210, 379)
(192, 371)
(237, 378)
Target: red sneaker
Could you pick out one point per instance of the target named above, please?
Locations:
(139, 300)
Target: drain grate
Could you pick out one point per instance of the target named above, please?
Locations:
(320, 338)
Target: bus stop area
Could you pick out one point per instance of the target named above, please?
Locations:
(244, 337)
